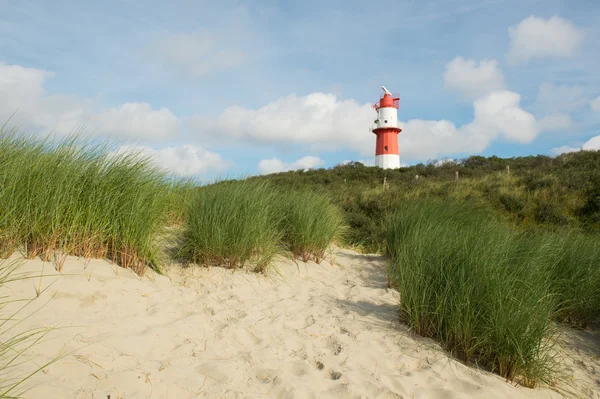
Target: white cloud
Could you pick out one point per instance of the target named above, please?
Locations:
(537, 38)
(318, 119)
(185, 160)
(500, 112)
(197, 54)
(592, 144)
(135, 120)
(321, 122)
(565, 149)
(595, 104)
(473, 80)
(275, 165)
(22, 91)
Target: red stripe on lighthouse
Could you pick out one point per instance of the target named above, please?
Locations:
(387, 141)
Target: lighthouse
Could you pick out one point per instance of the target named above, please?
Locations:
(386, 129)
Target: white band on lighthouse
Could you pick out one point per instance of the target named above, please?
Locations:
(387, 161)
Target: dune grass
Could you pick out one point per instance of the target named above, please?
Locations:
(310, 223)
(575, 277)
(231, 224)
(234, 223)
(72, 197)
(481, 290)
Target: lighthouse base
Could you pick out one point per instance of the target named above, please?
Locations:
(387, 161)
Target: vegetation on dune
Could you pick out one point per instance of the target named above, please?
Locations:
(231, 224)
(489, 293)
(536, 192)
(575, 276)
(310, 223)
(237, 222)
(70, 197)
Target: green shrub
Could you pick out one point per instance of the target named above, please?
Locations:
(232, 223)
(512, 203)
(479, 289)
(310, 223)
(69, 197)
(548, 213)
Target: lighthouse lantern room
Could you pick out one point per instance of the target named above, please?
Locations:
(386, 129)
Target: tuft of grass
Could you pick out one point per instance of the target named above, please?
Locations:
(310, 223)
(231, 224)
(575, 277)
(72, 197)
(478, 288)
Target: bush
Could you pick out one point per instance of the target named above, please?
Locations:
(512, 203)
(478, 288)
(548, 213)
(69, 197)
(310, 223)
(232, 223)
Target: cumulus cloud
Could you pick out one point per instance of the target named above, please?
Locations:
(22, 91)
(196, 54)
(321, 122)
(317, 119)
(595, 104)
(471, 79)
(537, 38)
(592, 144)
(275, 165)
(185, 160)
(135, 120)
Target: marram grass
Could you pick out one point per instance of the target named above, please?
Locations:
(311, 222)
(232, 224)
(241, 223)
(479, 289)
(71, 197)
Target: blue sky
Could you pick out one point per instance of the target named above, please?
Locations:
(236, 87)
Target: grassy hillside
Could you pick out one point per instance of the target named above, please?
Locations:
(535, 192)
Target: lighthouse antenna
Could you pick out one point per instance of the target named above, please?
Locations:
(386, 91)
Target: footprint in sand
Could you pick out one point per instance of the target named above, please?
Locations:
(344, 330)
(319, 365)
(267, 376)
(334, 345)
(334, 375)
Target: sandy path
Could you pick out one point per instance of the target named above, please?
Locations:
(314, 331)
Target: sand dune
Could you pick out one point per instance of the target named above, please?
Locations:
(311, 331)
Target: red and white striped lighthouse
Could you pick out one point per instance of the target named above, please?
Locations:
(386, 129)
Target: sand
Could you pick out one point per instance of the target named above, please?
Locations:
(308, 331)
